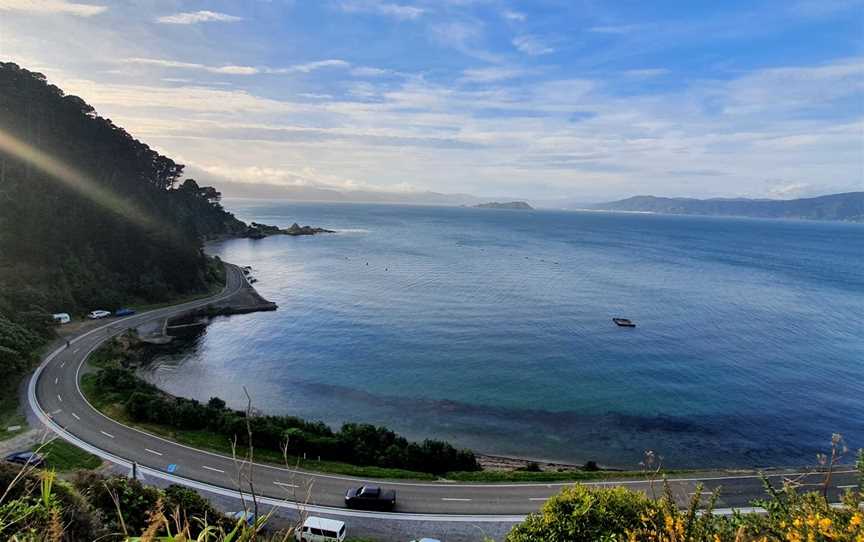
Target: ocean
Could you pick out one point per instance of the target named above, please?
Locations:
(492, 329)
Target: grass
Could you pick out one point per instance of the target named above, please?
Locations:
(62, 456)
(111, 405)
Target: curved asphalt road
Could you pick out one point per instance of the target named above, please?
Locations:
(55, 396)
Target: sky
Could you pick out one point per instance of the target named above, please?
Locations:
(543, 99)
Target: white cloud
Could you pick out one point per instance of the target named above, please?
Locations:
(241, 70)
(311, 66)
(486, 75)
(52, 6)
(367, 71)
(532, 45)
(511, 15)
(194, 17)
(397, 11)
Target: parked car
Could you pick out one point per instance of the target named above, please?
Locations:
(370, 498)
(124, 312)
(61, 317)
(26, 458)
(97, 315)
(317, 529)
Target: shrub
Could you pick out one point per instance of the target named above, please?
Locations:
(581, 513)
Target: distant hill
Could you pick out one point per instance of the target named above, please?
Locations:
(508, 205)
(847, 207)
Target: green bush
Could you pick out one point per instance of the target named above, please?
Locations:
(579, 513)
(358, 444)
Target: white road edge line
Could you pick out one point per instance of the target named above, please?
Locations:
(152, 451)
(109, 435)
(213, 469)
(539, 498)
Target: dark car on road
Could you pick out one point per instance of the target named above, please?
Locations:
(370, 498)
(124, 312)
(26, 458)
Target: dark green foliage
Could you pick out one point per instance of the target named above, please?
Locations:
(358, 444)
(89, 217)
(134, 499)
(79, 519)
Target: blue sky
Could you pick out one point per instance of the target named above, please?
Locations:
(543, 99)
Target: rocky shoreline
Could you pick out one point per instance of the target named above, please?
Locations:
(260, 231)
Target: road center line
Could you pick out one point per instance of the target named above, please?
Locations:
(213, 469)
(454, 499)
(76, 416)
(152, 451)
(283, 484)
(109, 435)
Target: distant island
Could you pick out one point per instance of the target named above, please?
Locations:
(847, 207)
(507, 205)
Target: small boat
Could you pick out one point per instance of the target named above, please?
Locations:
(623, 322)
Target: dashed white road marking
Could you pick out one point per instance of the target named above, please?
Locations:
(454, 499)
(213, 469)
(152, 451)
(853, 486)
(538, 498)
(58, 411)
(109, 435)
(283, 484)
(74, 352)
(62, 364)
(56, 378)
(76, 416)
(59, 398)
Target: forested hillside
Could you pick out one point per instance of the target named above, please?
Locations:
(847, 207)
(90, 217)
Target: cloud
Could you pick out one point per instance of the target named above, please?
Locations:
(367, 71)
(52, 6)
(397, 11)
(241, 70)
(511, 15)
(531, 45)
(486, 75)
(195, 17)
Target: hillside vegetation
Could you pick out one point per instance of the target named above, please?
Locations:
(90, 218)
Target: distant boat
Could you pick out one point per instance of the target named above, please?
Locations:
(623, 322)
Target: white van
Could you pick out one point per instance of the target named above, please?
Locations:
(62, 317)
(320, 530)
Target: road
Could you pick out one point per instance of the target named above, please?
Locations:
(55, 396)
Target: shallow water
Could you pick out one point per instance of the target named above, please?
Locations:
(491, 328)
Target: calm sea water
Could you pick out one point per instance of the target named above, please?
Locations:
(492, 329)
